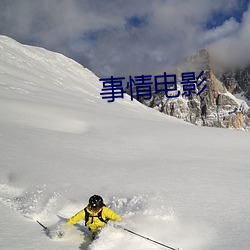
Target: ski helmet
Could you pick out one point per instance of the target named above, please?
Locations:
(95, 202)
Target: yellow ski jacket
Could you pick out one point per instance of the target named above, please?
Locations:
(94, 223)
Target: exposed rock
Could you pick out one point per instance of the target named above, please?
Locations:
(237, 81)
(215, 106)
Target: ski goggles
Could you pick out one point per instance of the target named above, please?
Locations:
(94, 208)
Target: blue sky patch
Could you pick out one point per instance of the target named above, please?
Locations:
(136, 21)
(218, 17)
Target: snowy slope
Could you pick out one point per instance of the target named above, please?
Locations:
(176, 183)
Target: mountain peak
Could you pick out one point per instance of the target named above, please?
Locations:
(216, 106)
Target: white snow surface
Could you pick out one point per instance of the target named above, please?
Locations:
(182, 185)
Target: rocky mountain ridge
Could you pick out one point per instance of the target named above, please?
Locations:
(223, 103)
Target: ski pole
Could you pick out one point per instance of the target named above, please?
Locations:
(146, 238)
(45, 228)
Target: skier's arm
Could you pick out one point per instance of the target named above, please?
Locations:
(77, 217)
(110, 214)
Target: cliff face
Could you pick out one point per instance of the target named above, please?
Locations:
(216, 106)
(237, 81)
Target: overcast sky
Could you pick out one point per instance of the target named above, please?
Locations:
(130, 37)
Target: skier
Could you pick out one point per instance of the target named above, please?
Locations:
(95, 214)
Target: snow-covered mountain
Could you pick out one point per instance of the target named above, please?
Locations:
(183, 185)
(217, 106)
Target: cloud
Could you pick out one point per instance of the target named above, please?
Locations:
(121, 38)
(226, 29)
(233, 49)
